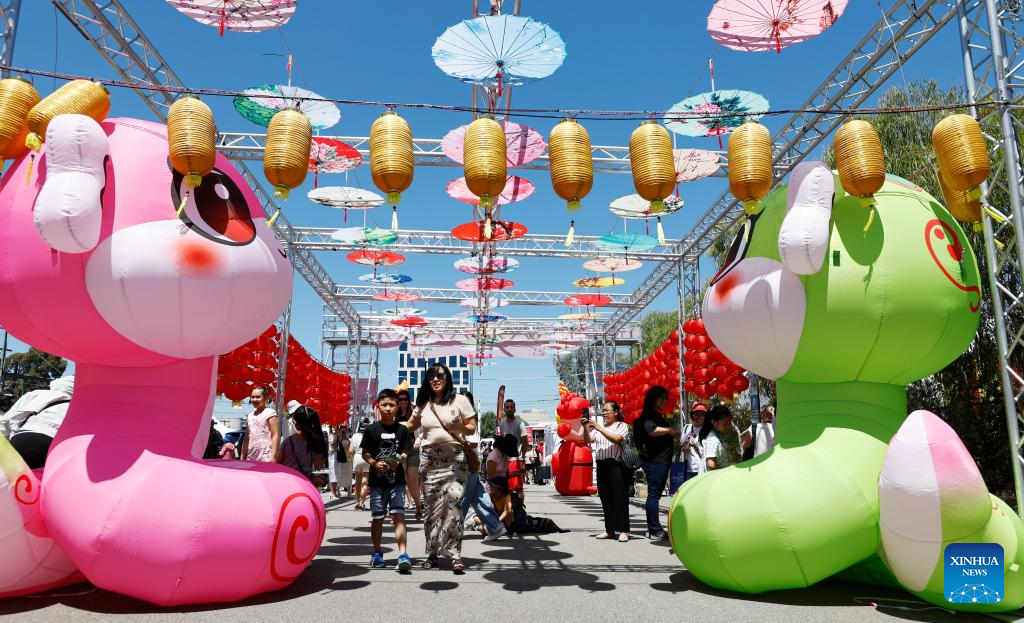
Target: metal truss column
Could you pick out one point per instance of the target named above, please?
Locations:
(282, 358)
(992, 52)
(10, 10)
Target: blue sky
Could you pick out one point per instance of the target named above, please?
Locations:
(638, 55)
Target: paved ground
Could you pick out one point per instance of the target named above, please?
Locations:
(557, 577)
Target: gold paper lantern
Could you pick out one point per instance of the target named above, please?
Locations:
(963, 209)
(286, 155)
(961, 154)
(82, 97)
(750, 164)
(485, 154)
(391, 155)
(860, 160)
(17, 97)
(653, 163)
(571, 164)
(192, 138)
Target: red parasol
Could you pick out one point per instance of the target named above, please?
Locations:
(484, 283)
(501, 231)
(329, 155)
(396, 296)
(375, 258)
(588, 300)
(410, 321)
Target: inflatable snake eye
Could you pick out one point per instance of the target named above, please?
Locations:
(738, 249)
(216, 210)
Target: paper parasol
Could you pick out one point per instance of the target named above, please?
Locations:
(238, 15)
(588, 300)
(398, 296)
(386, 279)
(580, 316)
(329, 155)
(516, 189)
(477, 302)
(496, 50)
(626, 242)
(485, 318)
(715, 113)
(479, 356)
(410, 321)
(484, 283)
(404, 311)
(694, 164)
(364, 235)
(523, 145)
(612, 265)
(501, 231)
(636, 207)
(259, 105)
(345, 197)
(375, 258)
(763, 26)
(489, 265)
(598, 282)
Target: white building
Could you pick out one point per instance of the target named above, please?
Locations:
(412, 369)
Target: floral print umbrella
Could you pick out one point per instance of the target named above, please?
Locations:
(410, 321)
(636, 207)
(399, 297)
(329, 155)
(715, 113)
(771, 24)
(375, 258)
(260, 104)
(404, 311)
(485, 318)
(385, 279)
(238, 15)
(588, 300)
(694, 164)
(497, 50)
(612, 265)
(598, 282)
(626, 242)
(489, 265)
(364, 235)
(516, 189)
(501, 231)
(524, 145)
(484, 283)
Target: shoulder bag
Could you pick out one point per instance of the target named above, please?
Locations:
(472, 460)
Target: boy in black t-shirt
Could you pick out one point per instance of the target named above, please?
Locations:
(385, 446)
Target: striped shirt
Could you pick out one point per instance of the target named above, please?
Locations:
(603, 447)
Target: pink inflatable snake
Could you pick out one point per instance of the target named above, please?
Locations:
(96, 266)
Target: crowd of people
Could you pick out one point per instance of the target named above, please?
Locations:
(429, 455)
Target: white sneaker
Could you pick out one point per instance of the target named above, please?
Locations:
(623, 537)
(494, 535)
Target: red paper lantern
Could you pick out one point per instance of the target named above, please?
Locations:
(737, 383)
(237, 392)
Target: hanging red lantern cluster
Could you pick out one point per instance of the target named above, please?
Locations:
(661, 367)
(251, 364)
(315, 385)
(708, 371)
(306, 379)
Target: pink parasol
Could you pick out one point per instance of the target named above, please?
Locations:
(588, 300)
(238, 15)
(484, 283)
(400, 297)
(488, 265)
(329, 155)
(524, 145)
(771, 24)
(694, 164)
(375, 258)
(516, 189)
(501, 231)
(612, 265)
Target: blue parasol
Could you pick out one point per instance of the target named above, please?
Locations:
(626, 242)
(385, 278)
(715, 113)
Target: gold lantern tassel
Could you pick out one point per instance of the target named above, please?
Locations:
(488, 228)
(273, 219)
(571, 235)
(181, 206)
(661, 233)
(394, 218)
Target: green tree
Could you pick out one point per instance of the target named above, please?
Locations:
(654, 329)
(488, 424)
(30, 370)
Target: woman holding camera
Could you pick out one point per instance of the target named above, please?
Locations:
(606, 442)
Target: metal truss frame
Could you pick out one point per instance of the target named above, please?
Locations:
(993, 58)
(9, 12)
(365, 292)
(443, 242)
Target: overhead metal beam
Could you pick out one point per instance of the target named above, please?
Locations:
(10, 10)
(454, 295)
(443, 242)
(903, 30)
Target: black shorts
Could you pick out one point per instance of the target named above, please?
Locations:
(32, 447)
